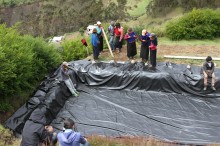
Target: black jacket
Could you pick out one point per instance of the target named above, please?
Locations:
(34, 132)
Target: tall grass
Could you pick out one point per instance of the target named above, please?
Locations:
(12, 3)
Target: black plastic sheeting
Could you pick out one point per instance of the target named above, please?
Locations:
(125, 99)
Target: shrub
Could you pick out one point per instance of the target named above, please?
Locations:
(7, 137)
(4, 106)
(198, 24)
(24, 61)
(138, 30)
(74, 50)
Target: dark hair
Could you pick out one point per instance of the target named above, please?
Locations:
(117, 24)
(209, 58)
(68, 123)
(130, 29)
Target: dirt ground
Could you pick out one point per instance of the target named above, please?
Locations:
(176, 50)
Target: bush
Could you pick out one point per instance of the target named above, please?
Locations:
(4, 106)
(24, 61)
(198, 24)
(74, 50)
(7, 137)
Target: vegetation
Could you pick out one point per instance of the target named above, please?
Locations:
(7, 138)
(162, 7)
(198, 24)
(24, 61)
(12, 3)
(137, 7)
(74, 50)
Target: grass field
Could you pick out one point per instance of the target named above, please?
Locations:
(15, 2)
(166, 41)
(137, 7)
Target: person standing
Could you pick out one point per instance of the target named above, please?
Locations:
(208, 71)
(95, 42)
(153, 50)
(66, 78)
(130, 36)
(118, 31)
(144, 53)
(111, 32)
(100, 36)
(68, 137)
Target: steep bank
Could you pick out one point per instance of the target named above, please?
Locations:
(52, 17)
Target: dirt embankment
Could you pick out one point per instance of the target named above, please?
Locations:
(175, 50)
(48, 18)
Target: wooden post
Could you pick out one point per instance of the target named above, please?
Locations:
(110, 50)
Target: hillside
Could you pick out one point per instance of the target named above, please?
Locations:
(56, 17)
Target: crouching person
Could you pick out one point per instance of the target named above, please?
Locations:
(67, 80)
(69, 137)
(36, 131)
(208, 71)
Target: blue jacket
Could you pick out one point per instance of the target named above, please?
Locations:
(146, 38)
(70, 138)
(94, 40)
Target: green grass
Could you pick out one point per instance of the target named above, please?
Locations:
(167, 41)
(140, 7)
(15, 2)
(196, 62)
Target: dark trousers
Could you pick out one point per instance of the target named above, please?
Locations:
(153, 57)
(144, 52)
(118, 44)
(95, 52)
(100, 45)
(131, 49)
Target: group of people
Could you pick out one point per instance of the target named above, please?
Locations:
(116, 33)
(116, 38)
(148, 46)
(148, 49)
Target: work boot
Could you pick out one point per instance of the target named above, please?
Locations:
(205, 88)
(75, 94)
(213, 88)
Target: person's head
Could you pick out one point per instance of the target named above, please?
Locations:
(152, 36)
(208, 59)
(112, 23)
(144, 31)
(94, 30)
(65, 64)
(98, 23)
(130, 30)
(69, 124)
(118, 25)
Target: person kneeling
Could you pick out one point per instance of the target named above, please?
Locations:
(69, 137)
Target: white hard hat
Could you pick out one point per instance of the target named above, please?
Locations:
(98, 22)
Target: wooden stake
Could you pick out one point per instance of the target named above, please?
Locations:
(110, 50)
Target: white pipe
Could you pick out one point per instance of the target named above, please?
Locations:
(188, 57)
